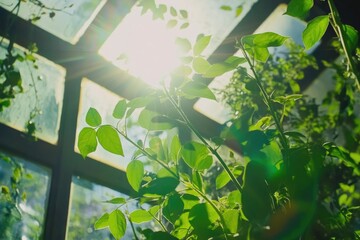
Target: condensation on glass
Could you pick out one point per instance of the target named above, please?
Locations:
(276, 22)
(71, 19)
(22, 213)
(46, 96)
(87, 204)
(153, 37)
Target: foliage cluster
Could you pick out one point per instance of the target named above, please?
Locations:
(299, 178)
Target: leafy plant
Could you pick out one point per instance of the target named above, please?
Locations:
(297, 180)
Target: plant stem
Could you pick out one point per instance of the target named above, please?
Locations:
(267, 100)
(203, 140)
(133, 229)
(339, 29)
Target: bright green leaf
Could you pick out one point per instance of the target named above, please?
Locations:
(135, 173)
(117, 224)
(153, 121)
(102, 222)
(217, 70)
(231, 217)
(226, 7)
(264, 40)
(118, 200)
(175, 148)
(140, 216)
(235, 61)
(87, 141)
(93, 118)
(351, 37)
(201, 44)
(202, 216)
(196, 89)
(200, 65)
(184, 25)
(156, 145)
(120, 109)
(314, 30)
(196, 155)
(109, 139)
(173, 11)
(299, 8)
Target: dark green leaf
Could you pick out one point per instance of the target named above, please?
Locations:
(120, 109)
(201, 44)
(196, 89)
(161, 186)
(299, 8)
(202, 216)
(264, 40)
(102, 222)
(184, 25)
(93, 118)
(315, 30)
(200, 65)
(135, 173)
(235, 61)
(173, 208)
(173, 11)
(109, 139)
(239, 10)
(117, 224)
(87, 141)
(140, 216)
(184, 13)
(175, 148)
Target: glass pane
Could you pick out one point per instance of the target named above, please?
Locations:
(71, 19)
(23, 198)
(146, 47)
(95, 96)
(43, 91)
(276, 22)
(87, 205)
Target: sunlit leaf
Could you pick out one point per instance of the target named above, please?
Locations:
(226, 7)
(218, 69)
(184, 13)
(120, 109)
(140, 216)
(231, 217)
(239, 10)
(118, 200)
(150, 121)
(201, 44)
(264, 40)
(184, 25)
(196, 155)
(102, 222)
(87, 141)
(109, 139)
(135, 173)
(196, 89)
(93, 118)
(315, 30)
(299, 8)
(117, 224)
(156, 145)
(184, 44)
(200, 65)
(351, 37)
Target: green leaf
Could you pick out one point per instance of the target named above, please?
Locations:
(4, 189)
(222, 179)
(135, 173)
(201, 44)
(202, 216)
(200, 65)
(150, 121)
(175, 148)
(93, 118)
(231, 217)
(156, 145)
(299, 8)
(314, 30)
(235, 61)
(196, 89)
(264, 40)
(173, 208)
(196, 155)
(161, 186)
(109, 139)
(239, 10)
(140, 216)
(173, 11)
(87, 141)
(217, 69)
(117, 224)
(226, 7)
(351, 37)
(118, 200)
(120, 109)
(171, 23)
(184, 44)
(184, 25)
(102, 222)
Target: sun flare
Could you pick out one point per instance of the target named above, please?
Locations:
(144, 47)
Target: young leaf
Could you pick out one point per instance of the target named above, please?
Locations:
(314, 30)
(200, 65)
(299, 8)
(183, 44)
(226, 7)
(231, 217)
(102, 222)
(93, 118)
(118, 200)
(196, 89)
(87, 141)
(135, 173)
(351, 37)
(239, 10)
(235, 61)
(120, 109)
(201, 44)
(140, 216)
(117, 224)
(217, 69)
(109, 139)
(184, 25)
(222, 179)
